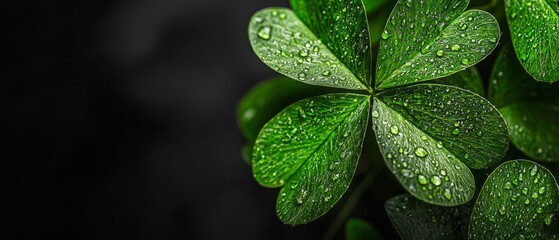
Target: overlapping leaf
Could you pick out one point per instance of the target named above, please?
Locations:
(468, 79)
(430, 133)
(534, 29)
(330, 52)
(531, 108)
(311, 149)
(518, 201)
(414, 219)
(426, 40)
(341, 25)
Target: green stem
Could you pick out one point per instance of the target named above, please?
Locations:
(348, 207)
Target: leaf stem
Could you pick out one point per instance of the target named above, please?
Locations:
(352, 201)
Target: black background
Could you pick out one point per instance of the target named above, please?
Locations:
(121, 123)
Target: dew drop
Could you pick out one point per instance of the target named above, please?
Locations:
(326, 73)
(456, 131)
(375, 114)
(422, 179)
(440, 53)
(394, 129)
(508, 185)
(502, 210)
(420, 152)
(548, 219)
(265, 33)
(384, 35)
(455, 47)
(436, 180)
(447, 194)
(465, 61)
(534, 170)
(541, 190)
(302, 76)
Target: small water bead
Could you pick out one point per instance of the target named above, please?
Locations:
(508, 185)
(302, 76)
(548, 219)
(534, 170)
(420, 152)
(447, 194)
(385, 35)
(502, 210)
(304, 53)
(456, 131)
(394, 129)
(422, 179)
(440, 53)
(541, 190)
(375, 114)
(436, 180)
(424, 138)
(265, 33)
(455, 47)
(282, 16)
(493, 40)
(326, 73)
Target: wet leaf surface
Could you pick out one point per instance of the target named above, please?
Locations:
(531, 108)
(430, 133)
(341, 25)
(286, 45)
(534, 29)
(311, 149)
(425, 40)
(518, 201)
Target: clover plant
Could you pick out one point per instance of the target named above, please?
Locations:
(425, 103)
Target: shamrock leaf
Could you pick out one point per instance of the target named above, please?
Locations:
(534, 29)
(264, 101)
(518, 201)
(311, 149)
(430, 133)
(531, 108)
(334, 51)
(426, 40)
(415, 219)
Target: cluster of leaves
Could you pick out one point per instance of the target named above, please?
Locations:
(427, 109)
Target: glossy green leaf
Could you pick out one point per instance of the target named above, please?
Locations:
(311, 149)
(267, 99)
(534, 29)
(286, 45)
(518, 201)
(341, 25)
(357, 229)
(530, 108)
(414, 219)
(425, 40)
(430, 133)
(468, 79)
